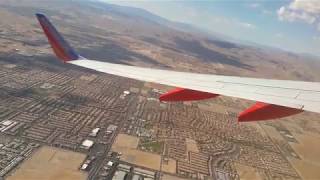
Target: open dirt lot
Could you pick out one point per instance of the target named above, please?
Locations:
(192, 145)
(168, 177)
(308, 150)
(247, 173)
(50, 163)
(171, 167)
(127, 145)
(127, 141)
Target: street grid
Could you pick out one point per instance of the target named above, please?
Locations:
(62, 108)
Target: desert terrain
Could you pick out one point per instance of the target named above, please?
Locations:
(50, 163)
(54, 104)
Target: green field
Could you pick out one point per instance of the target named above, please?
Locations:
(152, 146)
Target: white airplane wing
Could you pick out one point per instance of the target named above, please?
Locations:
(275, 98)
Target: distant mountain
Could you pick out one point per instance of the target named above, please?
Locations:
(133, 12)
(137, 37)
(130, 12)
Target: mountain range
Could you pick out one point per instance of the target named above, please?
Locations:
(137, 37)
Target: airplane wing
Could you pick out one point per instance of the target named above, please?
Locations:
(275, 98)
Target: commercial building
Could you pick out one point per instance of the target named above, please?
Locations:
(87, 144)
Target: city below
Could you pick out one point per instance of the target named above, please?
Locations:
(97, 126)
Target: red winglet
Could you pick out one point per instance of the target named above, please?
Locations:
(263, 111)
(181, 94)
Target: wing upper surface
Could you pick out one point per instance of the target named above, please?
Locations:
(295, 94)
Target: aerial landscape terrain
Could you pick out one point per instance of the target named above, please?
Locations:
(59, 121)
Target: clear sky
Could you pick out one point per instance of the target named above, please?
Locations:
(288, 24)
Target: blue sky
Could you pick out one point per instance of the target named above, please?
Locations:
(292, 25)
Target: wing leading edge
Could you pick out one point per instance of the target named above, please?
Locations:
(275, 98)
